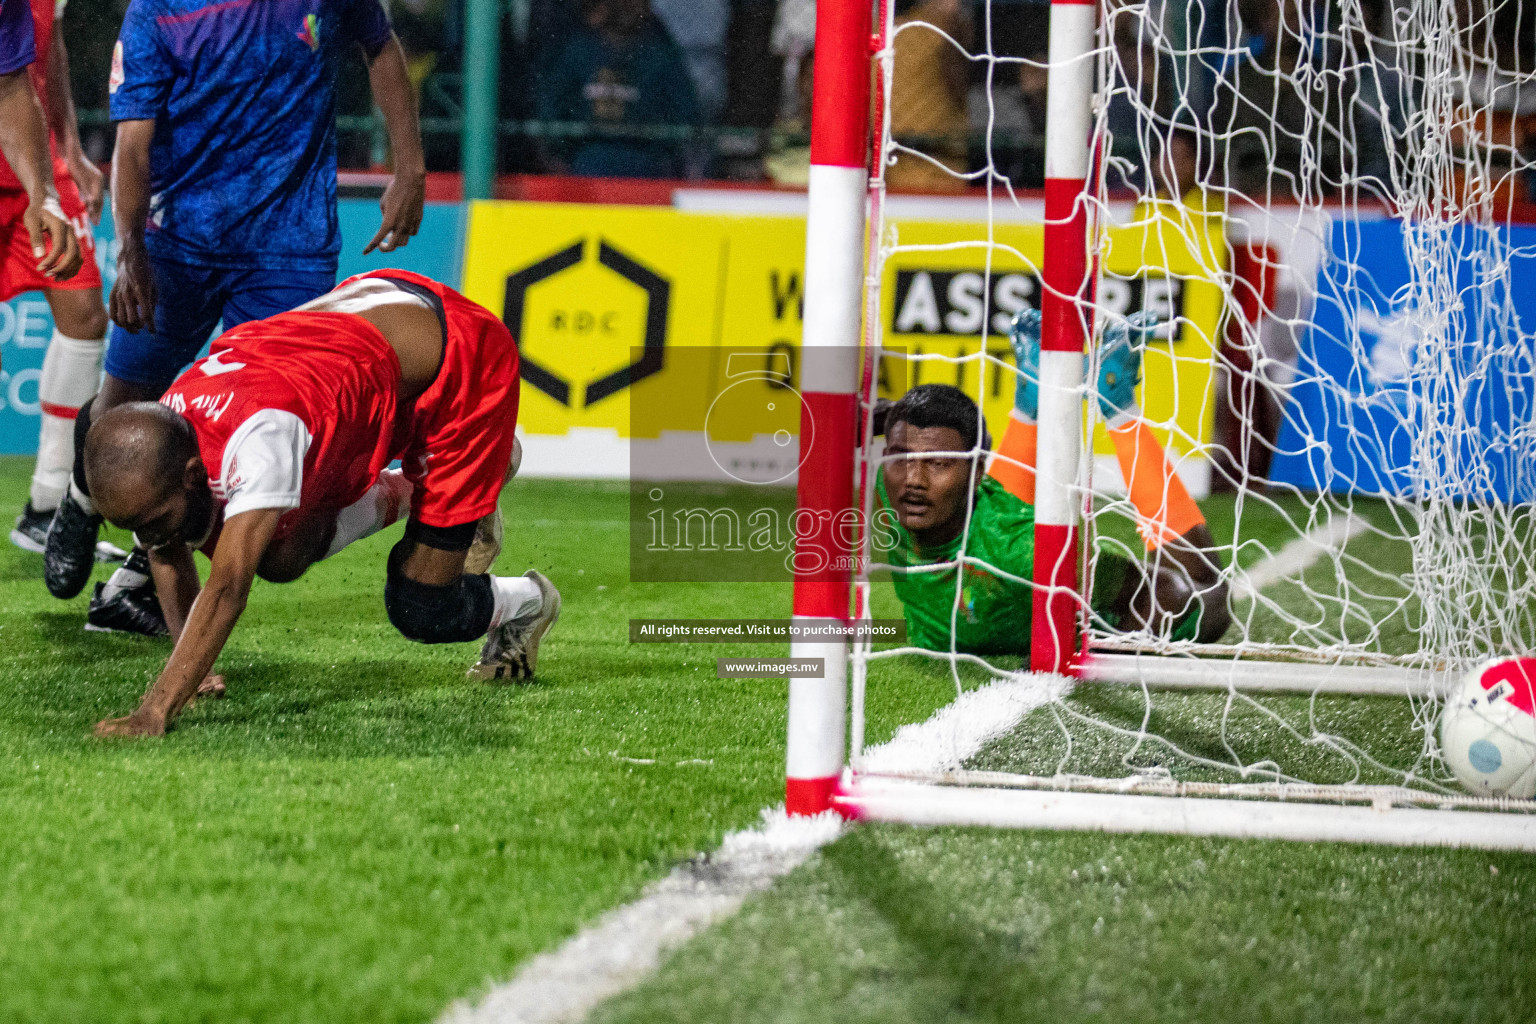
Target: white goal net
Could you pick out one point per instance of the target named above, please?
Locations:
(1321, 205)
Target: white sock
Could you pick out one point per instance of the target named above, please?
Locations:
(81, 498)
(383, 505)
(517, 598)
(71, 375)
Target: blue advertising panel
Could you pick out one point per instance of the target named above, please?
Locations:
(26, 324)
(1400, 391)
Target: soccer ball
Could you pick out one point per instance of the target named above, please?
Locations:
(1488, 732)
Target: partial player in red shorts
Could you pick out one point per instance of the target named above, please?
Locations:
(271, 454)
(72, 365)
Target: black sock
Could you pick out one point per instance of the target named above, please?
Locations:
(82, 427)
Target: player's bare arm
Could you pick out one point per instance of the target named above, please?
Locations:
(406, 193)
(212, 618)
(132, 304)
(24, 143)
(176, 583)
(177, 586)
(66, 129)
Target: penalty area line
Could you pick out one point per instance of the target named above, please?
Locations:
(1297, 556)
(626, 945)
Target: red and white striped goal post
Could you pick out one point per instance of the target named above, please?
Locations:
(829, 381)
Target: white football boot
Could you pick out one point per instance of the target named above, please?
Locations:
(511, 650)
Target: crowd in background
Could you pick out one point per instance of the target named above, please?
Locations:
(1294, 98)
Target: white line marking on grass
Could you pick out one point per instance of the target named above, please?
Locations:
(958, 731)
(625, 946)
(1297, 556)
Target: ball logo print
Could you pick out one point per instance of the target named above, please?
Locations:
(543, 344)
(1488, 734)
(758, 401)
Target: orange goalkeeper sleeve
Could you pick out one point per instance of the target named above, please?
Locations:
(1014, 464)
(1163, 504)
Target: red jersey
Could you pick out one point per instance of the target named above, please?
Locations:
(44, 14)
(297, 410)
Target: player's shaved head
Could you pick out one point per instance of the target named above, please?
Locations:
(135, 456)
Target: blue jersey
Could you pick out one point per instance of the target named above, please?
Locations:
(243, 94)
(17, 48)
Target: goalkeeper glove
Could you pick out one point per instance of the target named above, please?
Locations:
(1024, 336)
(1120, 351)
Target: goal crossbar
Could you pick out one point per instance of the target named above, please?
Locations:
(1160, 672)
(922, 803)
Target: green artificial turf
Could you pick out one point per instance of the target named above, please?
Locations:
(893, 924)
(358, 832)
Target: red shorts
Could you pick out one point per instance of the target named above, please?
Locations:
(457, 443)
(18, 267)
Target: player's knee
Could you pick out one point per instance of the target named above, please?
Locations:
(451, 613)
(78, 313)
(88, 324)
(1173, 597)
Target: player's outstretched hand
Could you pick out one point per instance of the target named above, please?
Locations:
(132, 304)
(53, 240)
(211, 687)
(91, 183)
(401, 207)
(132, 726)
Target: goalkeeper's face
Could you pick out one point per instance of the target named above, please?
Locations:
(930, 493)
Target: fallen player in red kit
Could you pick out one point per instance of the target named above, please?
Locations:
(271, 454)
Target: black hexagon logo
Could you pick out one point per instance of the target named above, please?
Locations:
(658, 292)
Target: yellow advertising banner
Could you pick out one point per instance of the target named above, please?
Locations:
(598, 295)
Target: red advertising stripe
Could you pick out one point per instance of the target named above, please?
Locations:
(63, 412)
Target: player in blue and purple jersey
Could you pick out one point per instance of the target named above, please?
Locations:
(224, 199)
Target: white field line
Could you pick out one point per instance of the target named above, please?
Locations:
(1297, 556)
(626, 945)
(958, 731)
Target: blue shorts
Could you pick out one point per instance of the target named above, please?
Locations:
(190, 301)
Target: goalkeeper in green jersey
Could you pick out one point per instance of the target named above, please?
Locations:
(942, 501)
